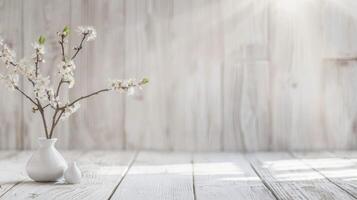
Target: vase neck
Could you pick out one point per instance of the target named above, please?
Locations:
(46, 143)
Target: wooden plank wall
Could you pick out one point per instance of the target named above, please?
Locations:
(225, 74)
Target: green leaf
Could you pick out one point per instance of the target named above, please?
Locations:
(41, 40)
(145, 80)
(66, 31)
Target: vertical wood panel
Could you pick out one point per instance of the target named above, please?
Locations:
(339, 72)
(11, 101)
(339, 103)
(147, 42)
(206, 72)
(225, 75)
(179, 112)
(100, 119)
(246, 93)
(181, 106)
(295, 50)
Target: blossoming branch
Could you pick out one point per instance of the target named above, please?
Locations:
(44, 96)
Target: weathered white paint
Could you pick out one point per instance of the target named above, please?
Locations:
(204, 176)
(158, 176)
(290, 178)
(227, 176)
(225, 75)
(11, 103)
(102, 171)
(337, 167)
(12, 167)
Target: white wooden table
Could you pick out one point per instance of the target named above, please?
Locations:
(175, 176)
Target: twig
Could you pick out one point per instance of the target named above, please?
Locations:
(89, 95)
(80, 46)
(59, 87)
(31, 81)
(14, 64)
(57, 109)
(47, 106)
(55, 123)
(39, 106)
(28, 97)
(62, 47)
(62, 109)
(43, 118)
(64, 58)
(36, 63)
(95, 93)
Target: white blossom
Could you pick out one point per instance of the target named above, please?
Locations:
(11, 80)
(69, 110)
(27, 68)
(128, 86)
(7, 55)
(89, 31)
(62, 34)
(131, 83)
(52, 98)
(116, 85)
(131, 91)
(42, 95)
(41, 87)
(66, 71)
(39, 48)
(39, 52)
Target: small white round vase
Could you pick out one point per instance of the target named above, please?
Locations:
(46, 164)
(73, 174)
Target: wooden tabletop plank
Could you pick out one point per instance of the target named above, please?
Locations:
(102, 170)
(346, 154)
(168, 176)
(227, 176)
(158, 176)
(12, 169)
(289, 178)
(340, 168)
(7, 154)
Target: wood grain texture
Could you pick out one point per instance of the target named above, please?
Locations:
(10, 101)
(147, 53)
(290, 178)
(12, 167)
(227, 176)
(224, 75)
(101, 173)
(203, 176)
(158, 176)
(339, 168)
(246, 75)
(338, 74)
(101, 119)
(295, 53)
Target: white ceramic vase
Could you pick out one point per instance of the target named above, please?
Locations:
(73, 174)
(46, 164)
